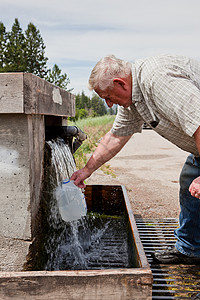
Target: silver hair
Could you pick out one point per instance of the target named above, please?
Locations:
(108, 68)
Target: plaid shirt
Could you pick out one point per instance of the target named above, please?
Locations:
(166, 96)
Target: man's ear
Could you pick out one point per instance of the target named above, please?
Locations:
(120, 81)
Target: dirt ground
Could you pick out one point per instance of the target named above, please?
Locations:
(149, 167)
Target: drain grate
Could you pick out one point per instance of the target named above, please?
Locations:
(169, 281)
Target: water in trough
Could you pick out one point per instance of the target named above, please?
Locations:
(93, 242)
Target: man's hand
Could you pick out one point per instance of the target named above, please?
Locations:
(109, 146)
(194, 188)
(79, 177)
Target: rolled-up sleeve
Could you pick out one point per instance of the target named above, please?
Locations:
(127, 122)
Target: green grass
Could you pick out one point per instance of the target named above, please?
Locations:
(97, 121)
(95, 128)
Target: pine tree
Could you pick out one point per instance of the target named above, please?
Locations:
(86, 102)
(15, 50)
(26, 53)
(35, 52)
(98, 105)
(3, 38)
(54, 76)
(78, 101)
(94, 106)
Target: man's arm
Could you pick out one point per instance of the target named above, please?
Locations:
(195, 185)
(109, 146)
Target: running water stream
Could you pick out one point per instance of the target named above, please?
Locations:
(94, 241)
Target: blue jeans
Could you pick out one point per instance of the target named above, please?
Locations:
(188, 234)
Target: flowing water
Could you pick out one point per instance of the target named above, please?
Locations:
(94, 241)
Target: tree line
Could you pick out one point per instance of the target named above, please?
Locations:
(91, 107)
(25, 52)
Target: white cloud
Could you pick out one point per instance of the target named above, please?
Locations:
(77, 33)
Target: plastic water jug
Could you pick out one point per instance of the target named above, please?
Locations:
(71, 201)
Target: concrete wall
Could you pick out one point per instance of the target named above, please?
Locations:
(15, 211)
(26, 101)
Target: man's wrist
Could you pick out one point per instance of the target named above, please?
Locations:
(88, 170)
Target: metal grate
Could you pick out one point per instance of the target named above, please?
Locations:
(169, 281)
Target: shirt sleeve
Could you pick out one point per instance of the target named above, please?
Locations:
(127, 122)
(177, 98)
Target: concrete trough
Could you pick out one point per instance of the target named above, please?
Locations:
(28, 104)
(124, 283)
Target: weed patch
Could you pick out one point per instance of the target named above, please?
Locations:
(95, 128)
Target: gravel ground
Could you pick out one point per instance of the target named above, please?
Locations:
(149, 167)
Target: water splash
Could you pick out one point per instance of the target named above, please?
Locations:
(93, 242)
(62, 159)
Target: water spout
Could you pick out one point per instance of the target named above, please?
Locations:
(72, 135)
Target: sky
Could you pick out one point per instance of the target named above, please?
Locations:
(78, 33)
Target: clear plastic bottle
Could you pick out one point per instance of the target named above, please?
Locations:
(71, 201)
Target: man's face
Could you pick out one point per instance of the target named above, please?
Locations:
(116, 95)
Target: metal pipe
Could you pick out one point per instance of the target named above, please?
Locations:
(72, 135)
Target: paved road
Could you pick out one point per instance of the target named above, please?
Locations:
(149, 167)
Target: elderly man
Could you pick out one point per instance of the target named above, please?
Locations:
(164, 92)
